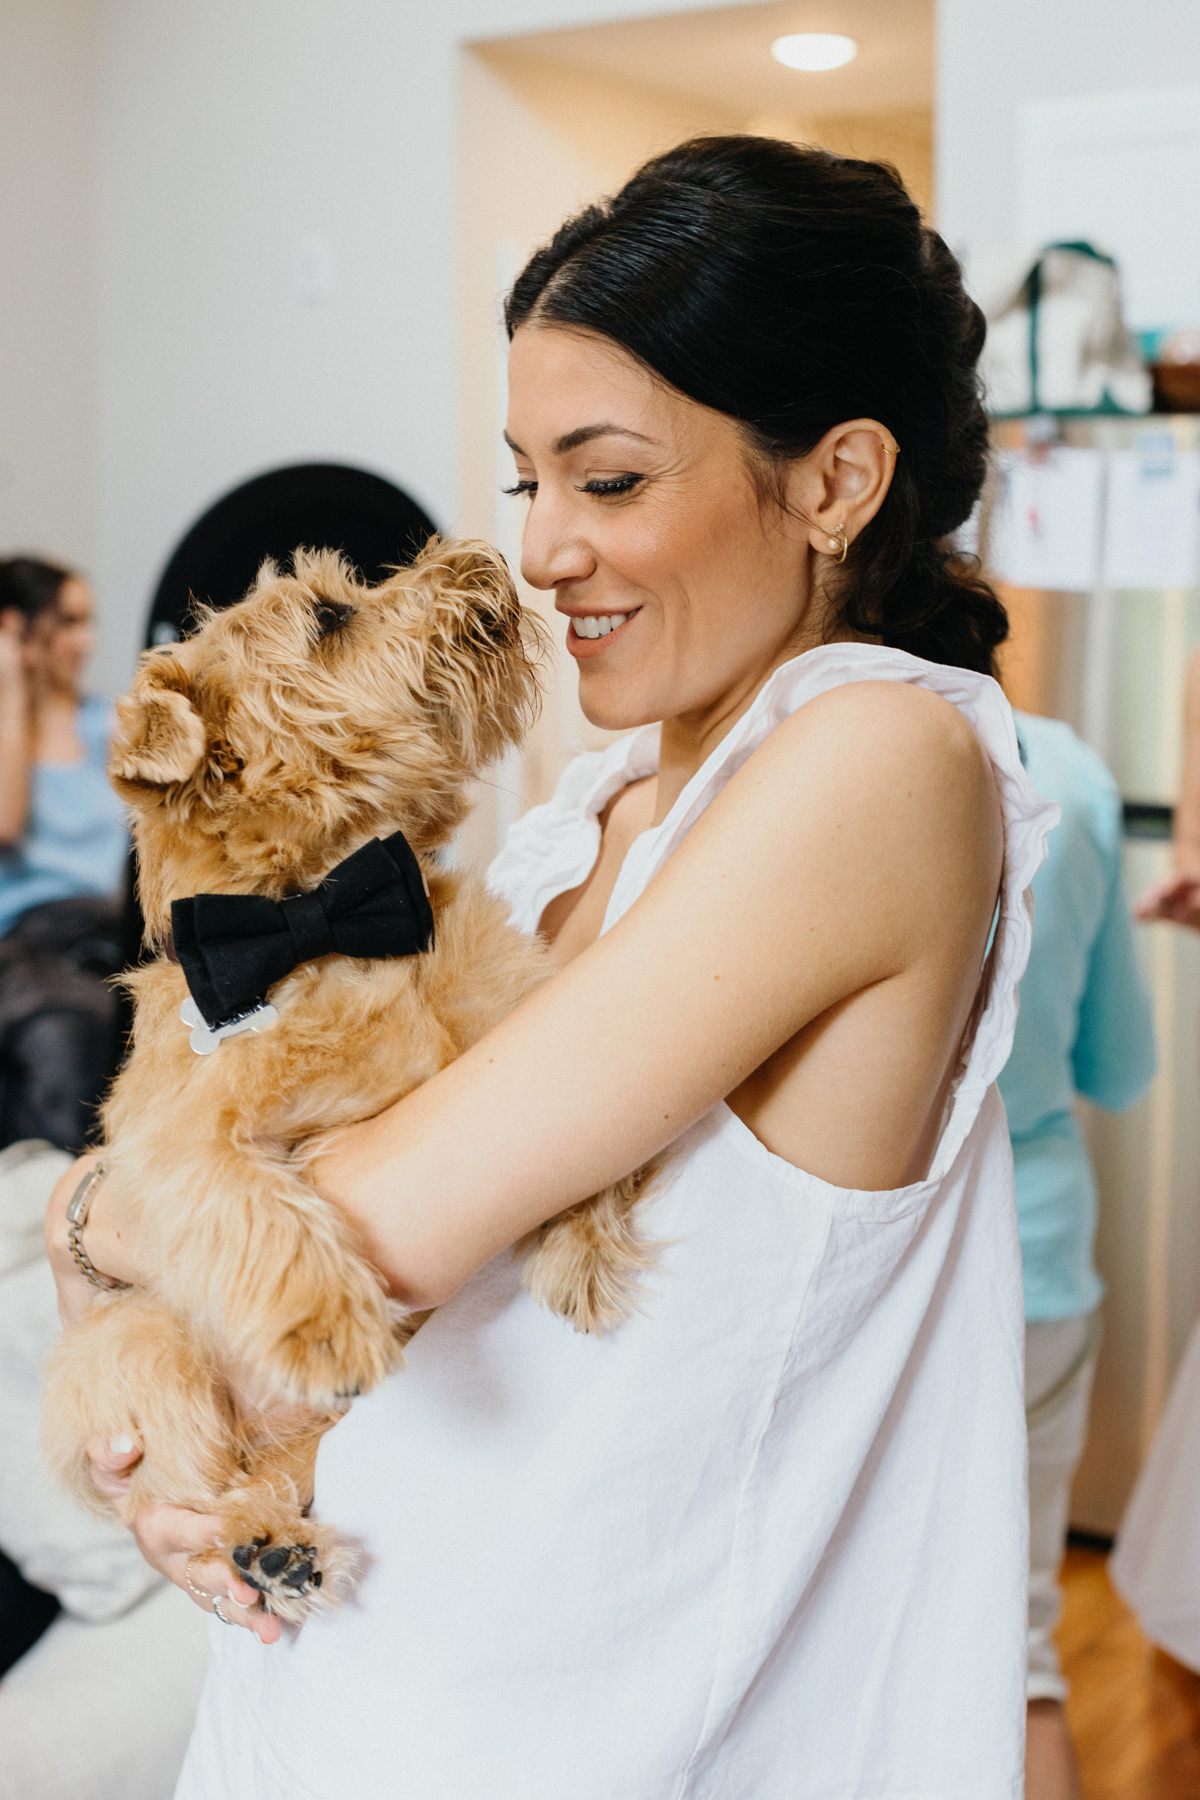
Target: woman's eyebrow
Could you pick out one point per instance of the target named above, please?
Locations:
(584, 435)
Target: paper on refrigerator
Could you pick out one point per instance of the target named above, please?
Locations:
(1046, 521)
(1152, 516)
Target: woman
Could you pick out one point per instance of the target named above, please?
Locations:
(735, 1547)
(62, 854)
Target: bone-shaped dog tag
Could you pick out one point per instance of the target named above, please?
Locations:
(207, 1038)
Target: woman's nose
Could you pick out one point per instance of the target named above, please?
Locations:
(552, 549)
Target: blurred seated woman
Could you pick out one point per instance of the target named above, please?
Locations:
(62, 853)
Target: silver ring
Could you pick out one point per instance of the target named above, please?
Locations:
(217, 1610)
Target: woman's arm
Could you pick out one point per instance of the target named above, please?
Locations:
(857, 847)
(14, 731)
(863, 834)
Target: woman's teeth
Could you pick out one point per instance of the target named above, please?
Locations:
(592, 625)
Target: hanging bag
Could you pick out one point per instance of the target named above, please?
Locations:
(1059, 342)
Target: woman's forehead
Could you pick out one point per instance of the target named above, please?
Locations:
(567, 387)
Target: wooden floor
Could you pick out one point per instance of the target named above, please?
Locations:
(1135, 1714)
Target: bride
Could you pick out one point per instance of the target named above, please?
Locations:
(766, 1539)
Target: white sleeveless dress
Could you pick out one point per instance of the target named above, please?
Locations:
(767, 1540)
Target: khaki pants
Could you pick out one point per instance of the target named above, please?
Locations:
(1060, 1360)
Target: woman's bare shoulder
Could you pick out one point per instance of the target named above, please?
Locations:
(873, 745)
(875, 796)
(882, 718)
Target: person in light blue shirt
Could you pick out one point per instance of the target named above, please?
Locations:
(63, 841)
(76, 838)
(1085, 1027)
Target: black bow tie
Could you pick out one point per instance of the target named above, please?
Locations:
(234, 947)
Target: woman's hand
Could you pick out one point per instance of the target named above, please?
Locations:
(15, 710)
(172, 1537)
(108, 1237)
(167, 1536)
(1176, 899)
(14, 681)
(75, 1292)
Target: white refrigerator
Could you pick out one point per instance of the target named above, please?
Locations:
(1095, 525)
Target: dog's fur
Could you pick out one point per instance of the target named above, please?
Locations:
(291, 729)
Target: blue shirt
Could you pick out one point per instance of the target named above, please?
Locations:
(75, 840)
(1085, 1024)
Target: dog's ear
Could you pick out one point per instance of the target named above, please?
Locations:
(482, 647)
(160, 739)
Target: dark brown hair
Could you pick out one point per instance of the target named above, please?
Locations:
(31, 585)
(791, 290)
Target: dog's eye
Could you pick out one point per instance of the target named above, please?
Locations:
(331, 616)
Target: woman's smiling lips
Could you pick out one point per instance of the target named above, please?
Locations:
(589, 632)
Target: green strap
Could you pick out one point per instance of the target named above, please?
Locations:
(1033, 286)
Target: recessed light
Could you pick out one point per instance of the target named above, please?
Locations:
(814, 50)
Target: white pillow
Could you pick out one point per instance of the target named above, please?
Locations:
(95, 1568)
(104, 1712)
(28, 1172)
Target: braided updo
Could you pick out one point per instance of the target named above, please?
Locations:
(792, 290)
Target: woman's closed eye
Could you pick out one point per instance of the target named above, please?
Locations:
(607, 485)
(604, 486)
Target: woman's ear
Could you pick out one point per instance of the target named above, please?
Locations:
(160, 739)
(841, 484)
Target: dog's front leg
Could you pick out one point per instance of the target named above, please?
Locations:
(131, 1368)
(245, 1246)
(586, 1262)
(268, 1536)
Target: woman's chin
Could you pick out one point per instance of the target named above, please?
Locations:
(606, 703)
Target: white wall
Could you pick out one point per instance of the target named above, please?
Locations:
(992, 59)
(167, 166)
(162, 165)
(47, 411)
(234, 138)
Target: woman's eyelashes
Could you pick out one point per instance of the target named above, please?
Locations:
(603, 486)
(612, 484)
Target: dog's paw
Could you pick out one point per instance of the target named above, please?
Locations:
(286, 1575)
(328, 1340)
(300, 1567)
(333, 1357)
(586, 1264)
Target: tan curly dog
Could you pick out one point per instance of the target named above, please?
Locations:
(291, 729)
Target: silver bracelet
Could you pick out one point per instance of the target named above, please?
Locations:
(77, 1213)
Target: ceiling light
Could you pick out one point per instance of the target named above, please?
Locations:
(814, 50)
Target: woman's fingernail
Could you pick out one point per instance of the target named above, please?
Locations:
(121, 1446)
